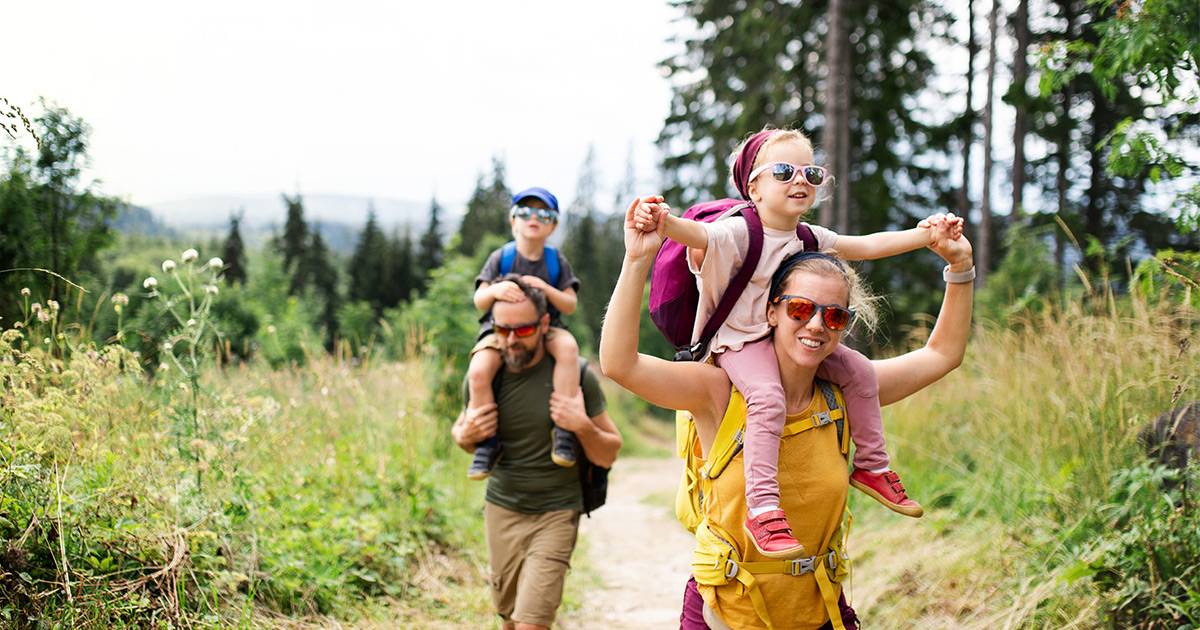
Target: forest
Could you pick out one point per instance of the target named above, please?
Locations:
(197, 433)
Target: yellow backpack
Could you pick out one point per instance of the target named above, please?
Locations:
(716, 562)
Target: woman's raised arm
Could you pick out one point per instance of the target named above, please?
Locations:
(683, 385)
(902, 376)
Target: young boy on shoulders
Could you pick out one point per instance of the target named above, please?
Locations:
(534, 217)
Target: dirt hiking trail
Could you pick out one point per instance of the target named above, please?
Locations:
(640, 553)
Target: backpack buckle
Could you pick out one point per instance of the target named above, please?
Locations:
(731, 567)
(821, 419)
(800, 566)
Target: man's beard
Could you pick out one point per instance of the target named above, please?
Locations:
(517, 357)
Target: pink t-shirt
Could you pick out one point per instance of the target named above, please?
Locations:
(728, 243)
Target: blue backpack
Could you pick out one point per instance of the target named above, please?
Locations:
(508, 254)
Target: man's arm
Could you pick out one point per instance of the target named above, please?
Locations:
(600, 438)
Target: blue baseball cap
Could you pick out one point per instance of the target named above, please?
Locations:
(540, 193)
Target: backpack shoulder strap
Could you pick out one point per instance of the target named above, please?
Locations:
(833, 398)
(508, 254)
(550, 255)
(737, 285)
(806, 236)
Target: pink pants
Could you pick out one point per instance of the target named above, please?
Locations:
(755, 372)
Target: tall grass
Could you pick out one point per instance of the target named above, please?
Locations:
(297, 492)
(1016, 450)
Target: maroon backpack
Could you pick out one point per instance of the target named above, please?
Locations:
(673, 292)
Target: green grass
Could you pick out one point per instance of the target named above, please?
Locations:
(1012, 455)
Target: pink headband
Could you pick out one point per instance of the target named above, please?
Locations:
(745, 161)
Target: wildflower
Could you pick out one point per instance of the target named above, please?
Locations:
(120, 299)
(190, 323)
(215, 264)
(211, 289)
(45, 315)
(166, 346)
(150, 283)
(163, 367)
(46, 341)
(25, 291)
(190, 256)
(168, 266)
(270, 330)
(52, 305)
(36, 308)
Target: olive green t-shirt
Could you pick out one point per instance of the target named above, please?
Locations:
(526, 479)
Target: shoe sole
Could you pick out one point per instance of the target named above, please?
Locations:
(561, 461)
(480, 476)
(774, 555)
(915, 512)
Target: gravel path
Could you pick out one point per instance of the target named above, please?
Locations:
(640, 552)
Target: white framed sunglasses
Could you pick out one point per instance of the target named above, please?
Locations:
(526, 213)
(785, 173)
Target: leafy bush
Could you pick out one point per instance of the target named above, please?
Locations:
(1146, 560)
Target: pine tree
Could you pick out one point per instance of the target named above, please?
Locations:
(292, 243)
(324, 284)
(431, 252)
(487, 211)
(368, 265)
(233, 254)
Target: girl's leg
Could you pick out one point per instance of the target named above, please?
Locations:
(860, 389)
(755, 372)
(485, 363)
(561, 345)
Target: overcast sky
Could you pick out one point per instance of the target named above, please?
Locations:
(398, 100)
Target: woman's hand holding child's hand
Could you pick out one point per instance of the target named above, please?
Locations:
(954, 223)
(648, 214)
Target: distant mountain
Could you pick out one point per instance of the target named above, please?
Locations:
(267, 212)
(340, 218)
(132, 219)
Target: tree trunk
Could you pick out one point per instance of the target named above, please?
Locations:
(985, 206)
(968, 139)
(837, 119)
(1021, 124)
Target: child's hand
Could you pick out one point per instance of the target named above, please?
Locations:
(508, 291)
(536, 282)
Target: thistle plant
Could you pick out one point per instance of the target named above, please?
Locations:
(186, 296)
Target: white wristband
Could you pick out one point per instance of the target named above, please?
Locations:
(958, 277)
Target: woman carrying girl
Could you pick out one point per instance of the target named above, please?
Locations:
(774, 171)
(809, 292)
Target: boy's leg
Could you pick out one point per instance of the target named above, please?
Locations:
(561, 345)
(860, 389)
(755, 372)
(486, 361)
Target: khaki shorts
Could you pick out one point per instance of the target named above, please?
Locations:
(529, 555)
(492, 340)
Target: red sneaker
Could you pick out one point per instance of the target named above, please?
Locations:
(772, 535)
(886, 488)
